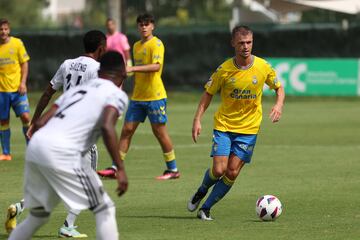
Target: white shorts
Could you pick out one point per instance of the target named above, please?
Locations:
(79, 188)
(91, 157)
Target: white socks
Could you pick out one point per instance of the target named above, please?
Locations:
(28, 227)
(71, 217)
(106, 226)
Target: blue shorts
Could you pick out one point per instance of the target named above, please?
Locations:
(155, 110)
(18, 102)
(227, 143)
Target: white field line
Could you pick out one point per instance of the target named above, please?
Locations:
(208, 145)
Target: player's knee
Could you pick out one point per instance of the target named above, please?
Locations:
(4, 122)
(159, 130)
(218, 171)
(127, 132)
(105, 204)
(232, 174)
(40, 213)
(25, 118)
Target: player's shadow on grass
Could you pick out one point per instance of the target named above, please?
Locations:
(45, 237)
(259, 221)
(6, 236)
(162, 217)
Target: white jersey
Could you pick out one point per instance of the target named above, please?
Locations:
(76, 124)
(74, 72)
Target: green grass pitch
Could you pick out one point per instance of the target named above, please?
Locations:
(310, 160)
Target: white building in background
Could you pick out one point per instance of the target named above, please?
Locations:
(58, 9)
(285, 11)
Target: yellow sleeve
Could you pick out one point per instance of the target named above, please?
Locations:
(158, 51)
(214, 83)
(271, 79)
(23, 56)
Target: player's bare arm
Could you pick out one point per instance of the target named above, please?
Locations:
(155, 67)
(203, 105)
(43, 102)
(45, 117)
(276, 110)
(110, 116)
(24, 74)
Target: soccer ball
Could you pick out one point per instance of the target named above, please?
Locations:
(268, 207)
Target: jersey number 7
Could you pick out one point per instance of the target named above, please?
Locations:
(76, 97)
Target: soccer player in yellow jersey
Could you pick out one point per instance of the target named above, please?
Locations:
(240, 81)
(148, 98)
(13, 74)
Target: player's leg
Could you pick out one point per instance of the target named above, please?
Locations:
(87, 192)
(106, 225)
(21, 107)
(161, 134)
(211, 177)
(156, 112)
(102, 206)
(220, 151)
(69, 229)
(13, 212)
(127, 132)
(242, 146)
(40, 198)
(135, 114)
(25, 120)
(37, 218)
(126, 135)
(5, 132)
(222, 187)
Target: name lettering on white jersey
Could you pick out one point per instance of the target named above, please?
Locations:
(74, 72)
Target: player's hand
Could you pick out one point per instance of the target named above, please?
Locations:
(275, 113)
(30, 131)
(22, 89)
(196, 130)
(122, 182)
(129, 64)
(129, 69)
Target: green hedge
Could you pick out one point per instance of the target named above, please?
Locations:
(190, 57)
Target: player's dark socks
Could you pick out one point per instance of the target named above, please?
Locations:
(198, 196)
(25, 129)
(5, 140)
(208, 181)
(219, 191)
(66, 224)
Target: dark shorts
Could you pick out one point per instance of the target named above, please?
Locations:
(227, 143)
(18, 102)
(154, 110)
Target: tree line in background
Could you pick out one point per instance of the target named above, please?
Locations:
(26, 14)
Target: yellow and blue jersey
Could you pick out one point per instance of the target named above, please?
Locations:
(241, 92)
(12, 55)
(149, 86)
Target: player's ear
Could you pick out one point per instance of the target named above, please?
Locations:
(232, 42)
(101, 50)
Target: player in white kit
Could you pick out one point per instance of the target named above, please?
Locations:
(71, 73)
(55, 168)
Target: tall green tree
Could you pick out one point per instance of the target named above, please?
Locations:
(22, 13)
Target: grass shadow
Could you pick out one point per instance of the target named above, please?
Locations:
(45, 237)
(161, 217)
